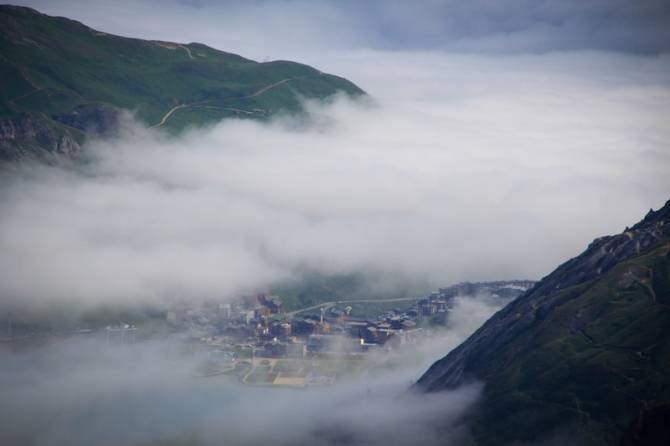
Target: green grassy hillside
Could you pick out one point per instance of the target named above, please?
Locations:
(579, 355)
(65, 74)
(602, 356)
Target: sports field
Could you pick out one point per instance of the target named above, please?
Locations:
(298, 373)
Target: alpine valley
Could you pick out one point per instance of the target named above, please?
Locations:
(581, 358)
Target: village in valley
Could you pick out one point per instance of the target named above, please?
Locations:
(254, 338)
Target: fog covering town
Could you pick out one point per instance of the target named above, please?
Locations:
(488, 152)
(89, 391)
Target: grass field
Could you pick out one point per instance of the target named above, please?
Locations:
(261, 378)
(299, 372)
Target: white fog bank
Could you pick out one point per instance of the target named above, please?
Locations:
(479, 169)
(88, 392)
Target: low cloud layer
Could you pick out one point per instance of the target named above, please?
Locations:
(478, 169)
(87, 392)
(501, 139)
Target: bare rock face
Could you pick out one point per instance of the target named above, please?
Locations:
(537, 303)
(25, 137)
(651, 427)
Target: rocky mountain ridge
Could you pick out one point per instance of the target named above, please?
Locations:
(600, 257)
(582, 320)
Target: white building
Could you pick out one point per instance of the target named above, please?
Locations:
(121, 334)
(224, 311)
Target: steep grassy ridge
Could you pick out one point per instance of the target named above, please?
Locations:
(59, 71)
(602, 356)
(575, 356)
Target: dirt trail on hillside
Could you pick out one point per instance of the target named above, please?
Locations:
(188, 51)
(27, 78)
(199, 104)
(331, 304)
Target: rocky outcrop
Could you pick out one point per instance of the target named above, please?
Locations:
(536, 304)
(26, 137)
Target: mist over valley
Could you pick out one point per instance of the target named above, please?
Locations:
(175, 216)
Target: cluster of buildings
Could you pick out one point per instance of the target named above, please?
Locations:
(120, 334)
(295, 337)
(255, 321)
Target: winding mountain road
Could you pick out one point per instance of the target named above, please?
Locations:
(199, 104)
(27, 78)
(331, 304)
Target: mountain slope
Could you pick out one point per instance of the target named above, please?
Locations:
(582, 352)
(63, 80)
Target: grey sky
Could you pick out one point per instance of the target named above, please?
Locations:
(480, 26)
